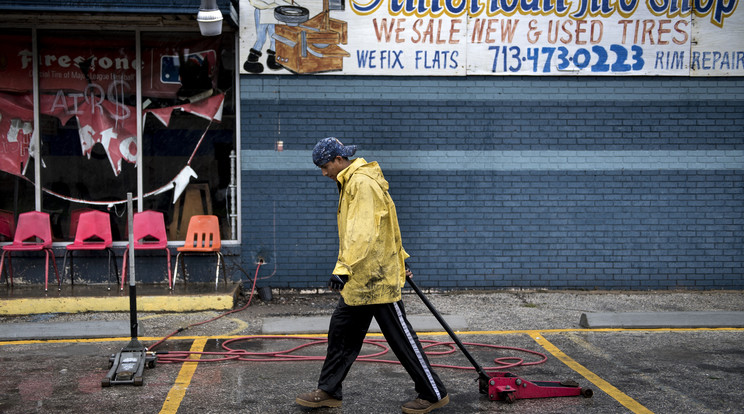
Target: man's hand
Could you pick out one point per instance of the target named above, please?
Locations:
(337, 282)
(409, 273)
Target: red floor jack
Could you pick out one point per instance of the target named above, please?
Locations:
(505, 386)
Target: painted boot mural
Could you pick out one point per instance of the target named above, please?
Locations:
(252, 64)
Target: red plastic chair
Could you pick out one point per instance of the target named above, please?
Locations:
(33, 234)
(93, 233)
(7, 225)
(202, 237)
(149, 234)
(75, 218)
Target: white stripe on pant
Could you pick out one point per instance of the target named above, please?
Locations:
(346, 332)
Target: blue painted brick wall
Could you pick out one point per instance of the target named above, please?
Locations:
(513, 182)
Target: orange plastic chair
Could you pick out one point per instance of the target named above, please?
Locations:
(93, 232)
(7, 224)
(33, 234)
(149, 233)
(202, 237)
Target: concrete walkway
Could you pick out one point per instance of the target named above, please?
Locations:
(421, 323)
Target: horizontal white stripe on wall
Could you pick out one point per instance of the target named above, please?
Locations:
(510, 160)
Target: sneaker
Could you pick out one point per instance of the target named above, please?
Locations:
(419, 406)
(317, 398)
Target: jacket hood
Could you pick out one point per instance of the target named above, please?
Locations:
(370, 169)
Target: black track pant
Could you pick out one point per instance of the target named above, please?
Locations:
(346, 334)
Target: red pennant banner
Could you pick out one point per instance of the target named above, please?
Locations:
(100, 120)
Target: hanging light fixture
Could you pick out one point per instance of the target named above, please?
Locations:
(209, 18)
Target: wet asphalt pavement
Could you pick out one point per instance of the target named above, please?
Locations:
(664, 370)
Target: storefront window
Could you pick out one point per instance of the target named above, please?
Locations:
(88, 126)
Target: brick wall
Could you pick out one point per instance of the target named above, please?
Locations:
(507, 182)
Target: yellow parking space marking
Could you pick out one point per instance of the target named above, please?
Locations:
(605, 386)
(176, 394)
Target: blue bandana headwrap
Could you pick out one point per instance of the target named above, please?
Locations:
(329, 148)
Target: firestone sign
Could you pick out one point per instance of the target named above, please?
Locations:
(493, 37)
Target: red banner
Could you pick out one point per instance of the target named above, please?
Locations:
(16, 63)
(110, 123)
(107, 67)
(16, 127)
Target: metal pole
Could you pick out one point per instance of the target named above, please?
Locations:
(236, 102)
(138, 76)
(233, 201)
(132, 285)
(36, 135)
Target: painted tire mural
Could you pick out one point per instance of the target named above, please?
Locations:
(291, 15)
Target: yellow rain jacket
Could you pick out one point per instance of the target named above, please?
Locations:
(370, 250)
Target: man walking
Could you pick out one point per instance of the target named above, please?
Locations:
(369, 273)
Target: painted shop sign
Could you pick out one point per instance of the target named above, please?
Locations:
(493, 37)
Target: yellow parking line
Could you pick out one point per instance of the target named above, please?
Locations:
(605, 386)
(176, 394)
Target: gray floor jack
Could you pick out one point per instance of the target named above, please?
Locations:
(128, 365)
